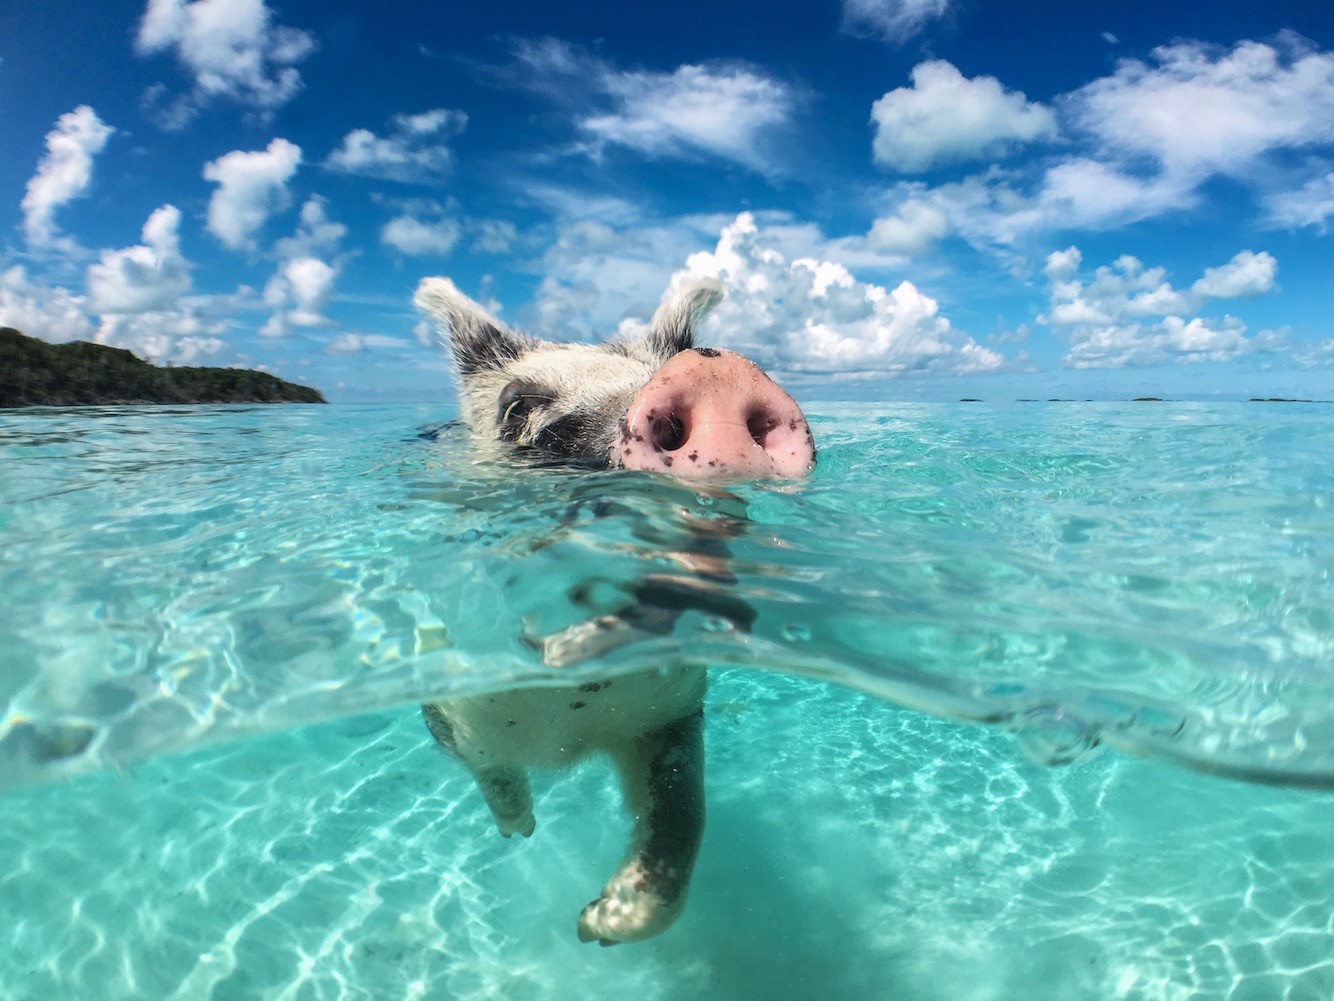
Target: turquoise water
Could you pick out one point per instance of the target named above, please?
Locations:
(1150, 578)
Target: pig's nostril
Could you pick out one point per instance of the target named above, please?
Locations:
(759, 424)
(669, 433)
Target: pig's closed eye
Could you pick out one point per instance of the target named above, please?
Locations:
(517, 400)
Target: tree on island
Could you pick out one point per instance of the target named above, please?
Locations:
(36, 373)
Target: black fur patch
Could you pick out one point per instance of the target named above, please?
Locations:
(487, 347)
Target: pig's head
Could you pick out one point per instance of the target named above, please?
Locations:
(654, 402)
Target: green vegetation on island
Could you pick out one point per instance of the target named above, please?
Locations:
(35, 373)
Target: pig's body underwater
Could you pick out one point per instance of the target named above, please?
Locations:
(654, 403)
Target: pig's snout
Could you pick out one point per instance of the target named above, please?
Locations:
(712, 414)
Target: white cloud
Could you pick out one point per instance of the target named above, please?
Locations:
(1200, 110)
(722, 111)
(910, 231)
(230, 48)
(413, 152)
(416, 237)
(1131, 315)
(1248, 274)
(1143, 141)
(946, 118)
(52, 314)
(65, 172)
(1003, 207)
(316, 233)
(298, 293)
(251, 187)
(1310, 205)
(493, 236)
(892, 20)
(185, 335)
(144, 278)
(814, 316)
(353, 343)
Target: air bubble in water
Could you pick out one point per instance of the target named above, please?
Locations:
(795, 632)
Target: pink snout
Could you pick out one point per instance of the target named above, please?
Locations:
(713, 414)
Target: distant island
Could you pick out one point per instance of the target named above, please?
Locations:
(35, 373)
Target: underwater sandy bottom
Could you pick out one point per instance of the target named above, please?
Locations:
(853, 851)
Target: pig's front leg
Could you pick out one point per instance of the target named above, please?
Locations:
(504, 787)
(662, 776)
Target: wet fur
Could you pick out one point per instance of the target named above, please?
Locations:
(568, 401)
(563, 399)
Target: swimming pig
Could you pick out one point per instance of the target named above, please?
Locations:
(654, 402)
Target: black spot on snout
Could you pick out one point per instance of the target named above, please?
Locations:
(707, 352)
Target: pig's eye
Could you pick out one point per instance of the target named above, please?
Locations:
(517, 400)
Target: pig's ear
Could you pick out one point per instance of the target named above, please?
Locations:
(479, 341)
(674, 323)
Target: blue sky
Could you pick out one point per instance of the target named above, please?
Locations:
(905, 199)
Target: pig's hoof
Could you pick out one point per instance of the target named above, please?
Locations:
(511, 826)
(626, 914)
(589, 639)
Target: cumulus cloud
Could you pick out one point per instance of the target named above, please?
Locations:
(52, 314)
(298, 293)
(185, 335)
(892, 20)
(413, 236)
(1132, 315)
(1199, 110)
(725, 110)
(814, 316)
(414, 151)
(232, 49)
(913, 228)
(945, 118)
(303, 282)
(151, 276)
(316, 233)
(251, 187)
(1139, 143)
(64, 173)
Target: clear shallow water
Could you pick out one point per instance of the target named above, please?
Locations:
(1154, 577)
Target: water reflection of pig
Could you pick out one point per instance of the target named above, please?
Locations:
(652, 403)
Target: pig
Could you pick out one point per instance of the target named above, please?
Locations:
(655, 403)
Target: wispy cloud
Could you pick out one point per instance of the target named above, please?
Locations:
(414, 151)
(730, 111)
(64, 173)
(232, 50)
(892, 20)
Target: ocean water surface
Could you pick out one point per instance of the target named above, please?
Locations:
(217, 623)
